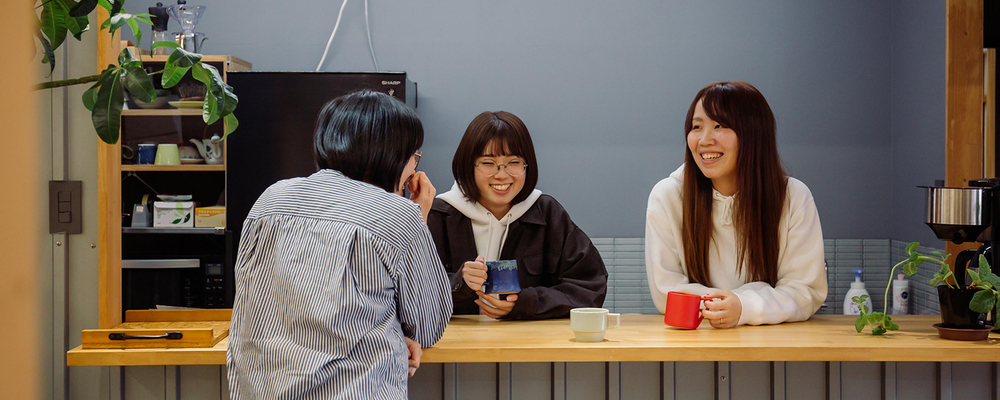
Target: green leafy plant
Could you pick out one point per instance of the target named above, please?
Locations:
(882, 322)
(988, 283)
(106, 98)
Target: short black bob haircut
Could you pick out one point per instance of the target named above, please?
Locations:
(506, 135)
(367, 136)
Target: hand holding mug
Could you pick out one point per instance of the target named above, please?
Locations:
(474, 273)
(422, 192)
(724, 310)
(496, 308)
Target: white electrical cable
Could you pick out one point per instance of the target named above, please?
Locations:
(332, 34)
(369, 29)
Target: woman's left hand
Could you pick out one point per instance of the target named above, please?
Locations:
(500, 307)
(724, 310)
(414, 351)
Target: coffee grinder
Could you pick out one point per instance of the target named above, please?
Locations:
(188, 16)
(966, 215)
(159, 19)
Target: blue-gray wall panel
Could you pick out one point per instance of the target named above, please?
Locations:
(604, 86)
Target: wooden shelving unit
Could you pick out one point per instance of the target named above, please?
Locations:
(111, 172)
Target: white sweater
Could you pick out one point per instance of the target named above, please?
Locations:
(801, 287)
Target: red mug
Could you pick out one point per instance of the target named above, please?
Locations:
(683, 310)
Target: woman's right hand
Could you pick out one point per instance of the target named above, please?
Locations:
(474, 273)
(422, 192)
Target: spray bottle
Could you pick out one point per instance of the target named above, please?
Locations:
(857, 289)
(900, 295)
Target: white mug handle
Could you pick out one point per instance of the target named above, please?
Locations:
(616, 317)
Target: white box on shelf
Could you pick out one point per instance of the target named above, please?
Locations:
(173, 214)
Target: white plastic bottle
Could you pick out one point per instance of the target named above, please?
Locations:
(900, 295)
(857, 289)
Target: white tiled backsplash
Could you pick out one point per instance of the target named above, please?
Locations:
(628, 288)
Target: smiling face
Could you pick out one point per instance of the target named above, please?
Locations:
(497, 192)
(714, 148)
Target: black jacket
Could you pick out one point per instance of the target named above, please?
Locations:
(558, 267)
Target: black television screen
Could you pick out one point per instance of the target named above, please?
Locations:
(277, 113)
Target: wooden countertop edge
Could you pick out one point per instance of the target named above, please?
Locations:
(830, 338)
(217, 356)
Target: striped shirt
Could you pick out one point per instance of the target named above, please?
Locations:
(331, 274)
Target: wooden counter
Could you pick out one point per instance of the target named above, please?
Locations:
(472, 339)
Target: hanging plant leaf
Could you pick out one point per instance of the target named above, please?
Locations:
(116, 7)
(127, 58)
(90, 96)
(83, 8)
(54, 15)
(231, 124)
(116, 22)
(135, 31)
(108, 108)
(137, 83)
(177, 65)
(219, 98)
(105, 4)
(164, 43)
(77, 25)
(50, 56)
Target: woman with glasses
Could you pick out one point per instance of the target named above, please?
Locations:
(337, 283)
(493, 212)
(730, 224)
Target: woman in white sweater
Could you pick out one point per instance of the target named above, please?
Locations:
(730, 224)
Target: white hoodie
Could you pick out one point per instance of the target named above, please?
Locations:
(490, 232)
(801, 287)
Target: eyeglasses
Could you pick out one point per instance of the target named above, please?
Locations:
(513, 168)
(416, 156)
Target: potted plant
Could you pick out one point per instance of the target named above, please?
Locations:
(960, 307)
(105, 99)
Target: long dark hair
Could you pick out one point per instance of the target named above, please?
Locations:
(368, 136)
(760, 183)
(507, 135)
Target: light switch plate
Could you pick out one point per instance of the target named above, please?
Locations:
(65, 204)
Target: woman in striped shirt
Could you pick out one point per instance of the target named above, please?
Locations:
(338, 285)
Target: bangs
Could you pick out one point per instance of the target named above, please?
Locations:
(715, 102)
(503, 142)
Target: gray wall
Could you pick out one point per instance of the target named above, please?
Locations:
(603, 87)
(918, 122)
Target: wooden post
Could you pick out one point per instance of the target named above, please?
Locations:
(963, 97)
(22, 239)
(109, 264)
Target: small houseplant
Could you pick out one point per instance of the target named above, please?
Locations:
(984, 283)
(106, 98)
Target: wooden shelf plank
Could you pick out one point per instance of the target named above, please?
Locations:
(163, 112)
(184, 167)
(146, 58)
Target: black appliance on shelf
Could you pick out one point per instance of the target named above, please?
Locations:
(277, 113)
(165, 268)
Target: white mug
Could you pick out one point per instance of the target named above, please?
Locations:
(589, 324)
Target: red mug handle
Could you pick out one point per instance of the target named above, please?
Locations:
(700, 315)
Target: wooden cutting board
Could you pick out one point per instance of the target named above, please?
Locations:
(180, 328)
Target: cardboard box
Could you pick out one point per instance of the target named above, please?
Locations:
(173, 214)
(210, 217)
